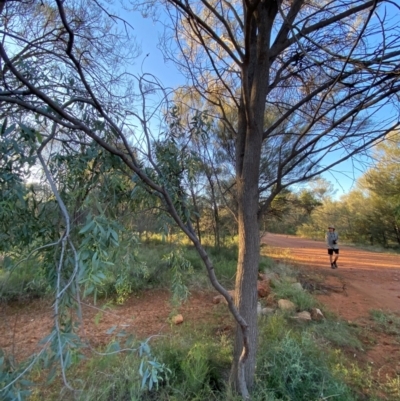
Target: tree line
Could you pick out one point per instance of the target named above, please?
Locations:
(369, 213)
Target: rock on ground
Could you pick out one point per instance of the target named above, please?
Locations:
(177, 319)
(285, 304)
(316, 314)
(303, 316)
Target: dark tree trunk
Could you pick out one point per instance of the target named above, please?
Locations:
(397, 232)
(255, 79)
(248, 262)
(215, 213)
(196, 209)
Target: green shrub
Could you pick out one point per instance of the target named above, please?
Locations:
(112, 377)
(196, 364)
(291, 366)
(196, 369)
(26, 280)
(386, 322)
(337, 332)
(302, 299)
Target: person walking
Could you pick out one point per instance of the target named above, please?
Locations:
(332, 239)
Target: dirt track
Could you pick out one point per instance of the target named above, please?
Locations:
(372, 279)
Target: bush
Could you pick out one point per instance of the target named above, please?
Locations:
(338, 333)
(386, 322)
(291, 366)
(26, 280)
(197, 362)
(302, 299)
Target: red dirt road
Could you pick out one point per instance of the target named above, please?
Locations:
(372, 279)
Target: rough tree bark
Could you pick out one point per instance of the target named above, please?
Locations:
(255, 78)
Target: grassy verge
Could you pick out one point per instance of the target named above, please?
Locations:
(386, 322)
(295, 361)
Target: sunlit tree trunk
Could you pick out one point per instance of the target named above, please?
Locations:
(255, 78)
(248, 259)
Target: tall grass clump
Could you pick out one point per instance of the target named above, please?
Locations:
(112, 377)
(302, 299)
(199, 365)
(338, 333)
(224, 259)
(291, 366)
(386, 322)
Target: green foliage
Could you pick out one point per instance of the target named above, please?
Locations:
(303, 300)
(109, 259)
(136, 375)
(182, 366)
(26, 280)
(119, 380)
(339, 333)
(197, 360)
(11, 386)
(291, 366)
(151, 371)
(225, 263)
(18, 146)
(289, 210)
(177, 167)
(370, 213)
(386, 322)
(178, 266)
(62, 348)
(195, 369)
(99, 237)
(370, 384)
(154, 254)
(25, 216)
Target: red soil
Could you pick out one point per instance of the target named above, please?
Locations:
(372, 281)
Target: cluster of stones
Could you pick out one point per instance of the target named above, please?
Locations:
(304, 316)
(264, 291)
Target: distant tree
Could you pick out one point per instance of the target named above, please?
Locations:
(382, 183)
(321, 188)
(289, 210)
(308, 202)
(370, 212)
(331, 212)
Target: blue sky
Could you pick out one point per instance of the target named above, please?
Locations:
(147, 33)
(151, 60)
